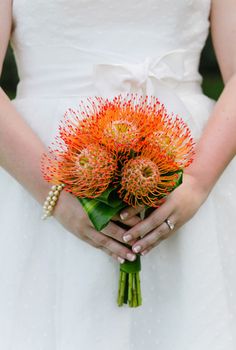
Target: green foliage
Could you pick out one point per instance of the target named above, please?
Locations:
(101, 209)
(212, 81)
(9, 78)
(212, 85)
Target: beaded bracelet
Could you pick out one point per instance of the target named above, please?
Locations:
(51, 200)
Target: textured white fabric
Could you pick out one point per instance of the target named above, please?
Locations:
(58, 293)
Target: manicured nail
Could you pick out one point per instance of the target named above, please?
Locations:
(124, 215)
(131, 257)
(127, 238)
(137, 249)
(121, 260)
(144, 252)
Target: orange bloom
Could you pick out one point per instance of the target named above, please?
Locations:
(86, 172)
(75, 128)
(173, 137)
(122, 124)
(147, 178)
(129, 138)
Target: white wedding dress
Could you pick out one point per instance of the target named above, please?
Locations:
(59, 293)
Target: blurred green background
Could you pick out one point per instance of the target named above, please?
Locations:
(212, 82)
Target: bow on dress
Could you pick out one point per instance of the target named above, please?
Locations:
(162, 77)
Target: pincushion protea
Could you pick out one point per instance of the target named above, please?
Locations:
(147, 178)
(122, 124)
(86, 172)
(113, 153)
(172, 136)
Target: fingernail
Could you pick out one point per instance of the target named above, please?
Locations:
(131, 257)
(127, 238)
(121, 260)
(137, 249)
(124, 215)
(144, 252)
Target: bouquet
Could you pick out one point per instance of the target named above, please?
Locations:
(115, 153)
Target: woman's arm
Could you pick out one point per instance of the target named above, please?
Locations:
(20, 148)
(217, 145)
(215, 149)
(6, 24)
(20, 153)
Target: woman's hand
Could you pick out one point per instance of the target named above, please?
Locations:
(179, 207)
(70, 213)
(128, 216)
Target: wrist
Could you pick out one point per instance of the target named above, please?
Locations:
(51, 200)
(198, 185)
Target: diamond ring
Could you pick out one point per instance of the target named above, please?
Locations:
(170, 224)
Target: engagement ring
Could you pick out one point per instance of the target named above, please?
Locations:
(170, 224)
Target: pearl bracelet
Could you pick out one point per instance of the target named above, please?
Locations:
(51, 200)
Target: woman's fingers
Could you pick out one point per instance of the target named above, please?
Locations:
(155, 237)
(154, 220)
(112, 245)
(99, 242)
(129, 212)
(109, 252)
(114, 231)
(132, 221)
(118, 258)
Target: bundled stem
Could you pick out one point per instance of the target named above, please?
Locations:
(129, 284)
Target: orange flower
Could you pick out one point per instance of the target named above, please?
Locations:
(86, 172)
(147, 178)
(173, 137)
(100, 138)
(76, 127)
(120, 125)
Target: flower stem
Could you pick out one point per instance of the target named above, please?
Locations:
(129, 284)
(122, 286)
(130, 288)
(139, 296)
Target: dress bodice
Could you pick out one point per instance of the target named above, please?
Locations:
(60, 46)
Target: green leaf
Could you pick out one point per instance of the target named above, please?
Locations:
(100, 213)
(131, 266)
(110, 197)
(180, 178)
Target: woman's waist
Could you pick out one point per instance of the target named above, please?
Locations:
(83, 88)
(77, 72)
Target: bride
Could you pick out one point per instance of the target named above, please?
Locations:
(57, 291)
